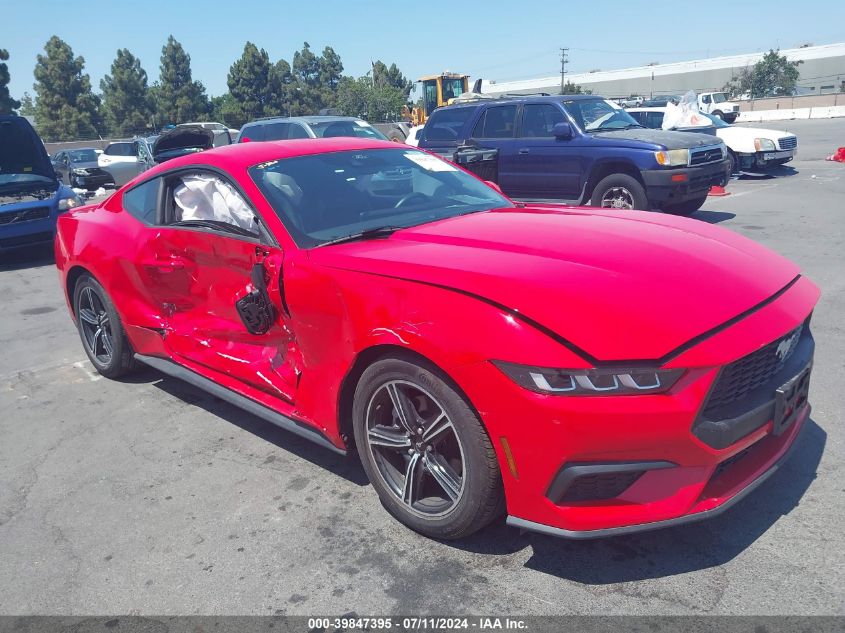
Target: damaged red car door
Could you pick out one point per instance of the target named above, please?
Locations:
(220, 301)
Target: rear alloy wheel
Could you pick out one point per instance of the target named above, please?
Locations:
(100, 329)
(425, 451)
(685, 208)
(619, 191)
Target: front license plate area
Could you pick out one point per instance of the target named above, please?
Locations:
(790, 399)
(778, 155)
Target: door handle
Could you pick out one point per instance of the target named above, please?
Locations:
(524, 150)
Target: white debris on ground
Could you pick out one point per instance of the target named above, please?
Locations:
(100, 192)
(79, 191)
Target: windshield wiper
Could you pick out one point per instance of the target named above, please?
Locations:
(630, 126)
(367, 234)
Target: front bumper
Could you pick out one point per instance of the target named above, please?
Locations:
(676, 185)
(666, 471)
(25, 233)
(761, 160)
(95, 181)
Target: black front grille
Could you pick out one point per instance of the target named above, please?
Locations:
(789, 142)
(704, 156)
(600, 486)
(34, 213)
(746, 374)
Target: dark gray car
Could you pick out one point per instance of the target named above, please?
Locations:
(79, 168)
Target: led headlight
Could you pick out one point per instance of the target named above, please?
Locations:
(764, 145)
(672, 157)
(81, 172)
(591, 382)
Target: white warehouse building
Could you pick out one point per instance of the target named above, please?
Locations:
(822, 72)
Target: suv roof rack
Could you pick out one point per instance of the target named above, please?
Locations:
(526, 94)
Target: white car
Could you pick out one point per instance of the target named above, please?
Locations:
(120, 159)
(749, 148)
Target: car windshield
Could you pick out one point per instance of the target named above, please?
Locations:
(716, 121)
(719, 97)
(328, 197)
(83, 156)
(599, 115)
(344, 127)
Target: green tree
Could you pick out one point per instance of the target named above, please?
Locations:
(178, 98)
(126, 104)
(369, 100)
(392, 76)
(252, 85)
(772, 75)
(65, 107)
(27, 105)
(570, 88)
(7, 104)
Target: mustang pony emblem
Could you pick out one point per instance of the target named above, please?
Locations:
(785, 346)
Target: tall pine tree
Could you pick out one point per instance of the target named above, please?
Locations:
(7, 104)
(251, 84)
(65, 107)
(126, 104)
(178, 97)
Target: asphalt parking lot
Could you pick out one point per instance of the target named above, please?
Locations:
(150, 497)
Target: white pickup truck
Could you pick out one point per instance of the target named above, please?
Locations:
(717, 104)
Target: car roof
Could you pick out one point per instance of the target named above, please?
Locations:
(241, 156)
(518, 99)
(317, 118)
(647, 109)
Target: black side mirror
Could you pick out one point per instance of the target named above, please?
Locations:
(562, 131)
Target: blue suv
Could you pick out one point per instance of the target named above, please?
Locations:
(31, 196)
(580, 149)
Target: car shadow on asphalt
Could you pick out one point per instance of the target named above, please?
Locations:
(34, 257)
(779, 171)
(348, 467)
(713, 217)
(669, 551)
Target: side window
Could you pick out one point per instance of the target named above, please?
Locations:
(205, 197)
(297, 131)
(253, 133)
(497, 122)
(119, 149)
(539, 119)
(706, 98)
(639, 117)
(275, 131)
(140, 202)
(654, 120)
(446, 123)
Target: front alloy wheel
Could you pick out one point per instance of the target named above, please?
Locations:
(617, 198)
(424, 449)
(415, 448)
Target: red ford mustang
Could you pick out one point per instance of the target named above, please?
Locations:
(594, 372)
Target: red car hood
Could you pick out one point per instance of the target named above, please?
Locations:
(620, 286)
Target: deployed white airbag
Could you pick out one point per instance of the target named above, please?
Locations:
(209, 198)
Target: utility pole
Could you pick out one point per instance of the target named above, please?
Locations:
(563, 61)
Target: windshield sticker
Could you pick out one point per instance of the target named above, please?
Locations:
(430, 163)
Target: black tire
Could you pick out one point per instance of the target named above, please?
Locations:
(476, 501)
(685, 208)
(730, 118)
(719, 114)
(109, 351)
(629, 189)
(734, 162)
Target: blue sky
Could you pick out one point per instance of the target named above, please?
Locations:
(493, 39)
